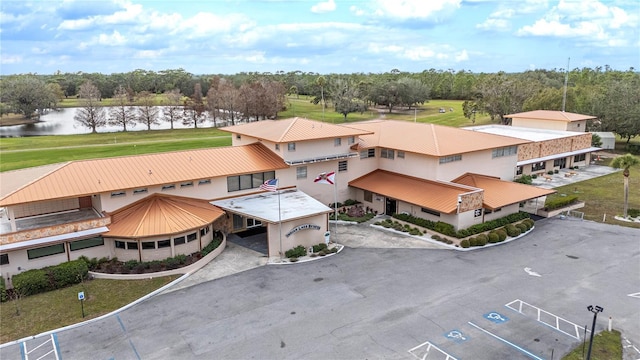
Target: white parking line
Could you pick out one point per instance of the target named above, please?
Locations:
(427, 347)
(506, 342)
(520, 306)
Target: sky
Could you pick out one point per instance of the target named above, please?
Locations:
(318, 36)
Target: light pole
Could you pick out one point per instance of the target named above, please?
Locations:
(595, 310)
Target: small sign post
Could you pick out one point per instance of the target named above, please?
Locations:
(81, 298)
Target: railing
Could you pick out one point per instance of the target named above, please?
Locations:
(53, 230)
(321, 158)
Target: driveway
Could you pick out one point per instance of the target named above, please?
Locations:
(522, 300)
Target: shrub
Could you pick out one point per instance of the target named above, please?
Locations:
(473, 241)
(464, 243)
(482, 241)
(350, 202)
(633, 212)
(534, 176)
(31, 282)
(415, 232)
(319, 247)
(555, 171)
(633, 148)
(550, 172)
(68, 273)
(296, 252)
(524, 179)
(502, 234)
(212, 246)
(3, 290)
(512, 230)
(559, 202)
(521, 227)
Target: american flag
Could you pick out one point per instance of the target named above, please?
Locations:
(270, 185)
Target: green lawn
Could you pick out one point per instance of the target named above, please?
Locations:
(607, 345)
(35, 314)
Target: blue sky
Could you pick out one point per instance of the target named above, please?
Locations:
(321, 36)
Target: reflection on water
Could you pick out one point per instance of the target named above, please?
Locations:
(62, 123)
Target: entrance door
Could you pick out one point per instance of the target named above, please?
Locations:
(562, 163)
(391, 206)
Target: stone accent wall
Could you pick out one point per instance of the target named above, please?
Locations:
(471, 201)
(54, 230)
(555, 146)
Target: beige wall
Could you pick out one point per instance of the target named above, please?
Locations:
(480, 162)
(44, 207)
(539, 124)
(306, 238)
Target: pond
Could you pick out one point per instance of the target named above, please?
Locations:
(62, 123)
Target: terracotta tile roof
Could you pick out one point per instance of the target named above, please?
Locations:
(293, 129)
(436, 195)
(499, 193)
(161, 214)
(87, 177)
(428, 139)
(550, 115)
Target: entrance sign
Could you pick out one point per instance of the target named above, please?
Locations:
(302, 227)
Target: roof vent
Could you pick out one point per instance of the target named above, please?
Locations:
(150, 172)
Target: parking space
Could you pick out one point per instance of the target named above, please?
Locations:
(517, 330)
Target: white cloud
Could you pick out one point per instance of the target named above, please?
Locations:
(115, 39)
(10, 59)
(324, 7)
(494, 24)
(462, 56)
(410, 9)
(130, 14)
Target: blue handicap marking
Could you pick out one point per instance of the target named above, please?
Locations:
(456, 336)
(496, 317)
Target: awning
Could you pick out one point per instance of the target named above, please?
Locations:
(53, 239)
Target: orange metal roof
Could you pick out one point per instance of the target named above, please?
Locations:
(436, 195)
(11, 181)
(499, 193)
(160, 214)
(293, 129)
(87, 177)
(429, 139)
(550, 115)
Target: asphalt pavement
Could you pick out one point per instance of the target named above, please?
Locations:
(384, 296)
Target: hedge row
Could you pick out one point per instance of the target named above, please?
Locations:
(498, 235)
(560, 202)
(37, 281)
(448, 229)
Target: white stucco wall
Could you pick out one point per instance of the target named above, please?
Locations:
(306, 237)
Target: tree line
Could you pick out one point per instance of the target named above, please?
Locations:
(611, 95)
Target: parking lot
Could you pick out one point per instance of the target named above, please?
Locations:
(523, 300)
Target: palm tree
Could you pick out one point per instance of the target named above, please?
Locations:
(625, 162)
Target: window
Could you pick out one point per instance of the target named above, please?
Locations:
(248, 181)
(191, 237)
(86, 243)
(429, 211)
(120, 245)
(301, 172)
(168, 187)
(351, 140)
(204, 182)
(538, 166)
(238, 222)
(118, 193)
(277, 147)
(186, 184)
(580, 157)
(253, 222)
(4, 259)
(519, 170)
(451, 158)
(342, 165)
(291, 146)
(504, 151)
(140, 191)
(369, 153)
(337, 142)
(179, 240)
(368, 196)
(45, 251)
(400, 154)
(387, 153)
(148, 245)
(132, 245)
(204, 231)
(164, 244)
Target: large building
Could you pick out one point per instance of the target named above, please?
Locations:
(154, 206)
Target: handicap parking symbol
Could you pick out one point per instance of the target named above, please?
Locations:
(496, 317)
(456, 336)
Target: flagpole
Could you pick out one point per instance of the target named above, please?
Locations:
(335, 204)
(280, 226)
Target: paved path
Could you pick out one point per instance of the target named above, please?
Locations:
(388, 303)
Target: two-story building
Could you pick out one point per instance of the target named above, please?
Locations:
(149, 207)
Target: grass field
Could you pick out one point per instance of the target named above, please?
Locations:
(35, 314)
(607, 345)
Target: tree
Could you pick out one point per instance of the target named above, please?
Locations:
(213, 100)
(321, 81)
(172, 111)
(147, 109)
(500, 94)
(194, 107)
(346, 97)
(621, 110)
(90, 115)
(625, 162)
(121, 114)
(28, 95)
(229, 100)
